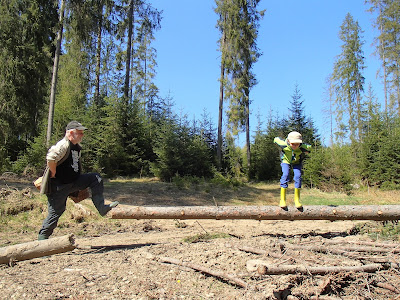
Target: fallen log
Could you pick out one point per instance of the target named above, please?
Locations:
(350, 253)
(29, 250)
(263, 268)
(365, 243)
(370, 249)
(205, 270)
(344, 212)
(321, 249)
(347, 250)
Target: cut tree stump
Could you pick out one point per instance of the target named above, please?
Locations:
(344, 212)
(35, 249)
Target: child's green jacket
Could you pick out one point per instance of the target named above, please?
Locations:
(290, 156)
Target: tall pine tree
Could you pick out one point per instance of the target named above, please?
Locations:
(298, 121)
(349, 80)
(239, 22)
(27, 45)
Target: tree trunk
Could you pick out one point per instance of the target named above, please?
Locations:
(54, 78)
(128, 51)
(247, 73)
(220, 114)
(36, 249)
(397, 80)
(382, 49)
(345, 212)
(263, 267)
(221, 102)
(247, 110)
(348, 251)
(98, 58)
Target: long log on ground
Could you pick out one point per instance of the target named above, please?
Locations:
(365, 243)
(357, 256)
(265, 268)
(35, 249)
(344, 212)
(338, 250)
(350, 253)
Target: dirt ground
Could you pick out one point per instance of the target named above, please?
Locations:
(127, 261)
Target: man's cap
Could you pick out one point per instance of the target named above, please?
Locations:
(75, 125)
(295, 137)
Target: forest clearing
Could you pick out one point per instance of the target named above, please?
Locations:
(99, 64)
(200, 259)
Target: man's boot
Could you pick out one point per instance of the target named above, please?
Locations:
(42, 237)
(282, 203)
(98, 201)
(297, 198)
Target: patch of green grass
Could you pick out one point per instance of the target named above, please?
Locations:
(179, 224)
(206, 237)
(340, 200)
(387, 230)
(182, 183)
(17, 228)
(227, 181)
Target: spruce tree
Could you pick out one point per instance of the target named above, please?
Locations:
(26, 44)
(239, 22)
(223, 24)
(265, 163)
(388, 47)
(374, 131)
(298, 121)
(378, 5)
(329, 107)
(349, 79)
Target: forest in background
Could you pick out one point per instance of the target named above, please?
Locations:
(105, 68)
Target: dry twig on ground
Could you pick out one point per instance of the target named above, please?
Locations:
(203, 269)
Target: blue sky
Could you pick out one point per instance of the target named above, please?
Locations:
(299, 43)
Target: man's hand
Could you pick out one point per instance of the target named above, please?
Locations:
(53, 168)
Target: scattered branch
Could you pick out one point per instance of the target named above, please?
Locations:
(263, 252)
(387, 286)
(202, 269)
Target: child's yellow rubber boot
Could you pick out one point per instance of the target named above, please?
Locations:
(297, 198)
(282, 203)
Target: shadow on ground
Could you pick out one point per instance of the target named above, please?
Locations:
(156, 193)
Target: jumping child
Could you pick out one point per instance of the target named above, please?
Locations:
(293, 152)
